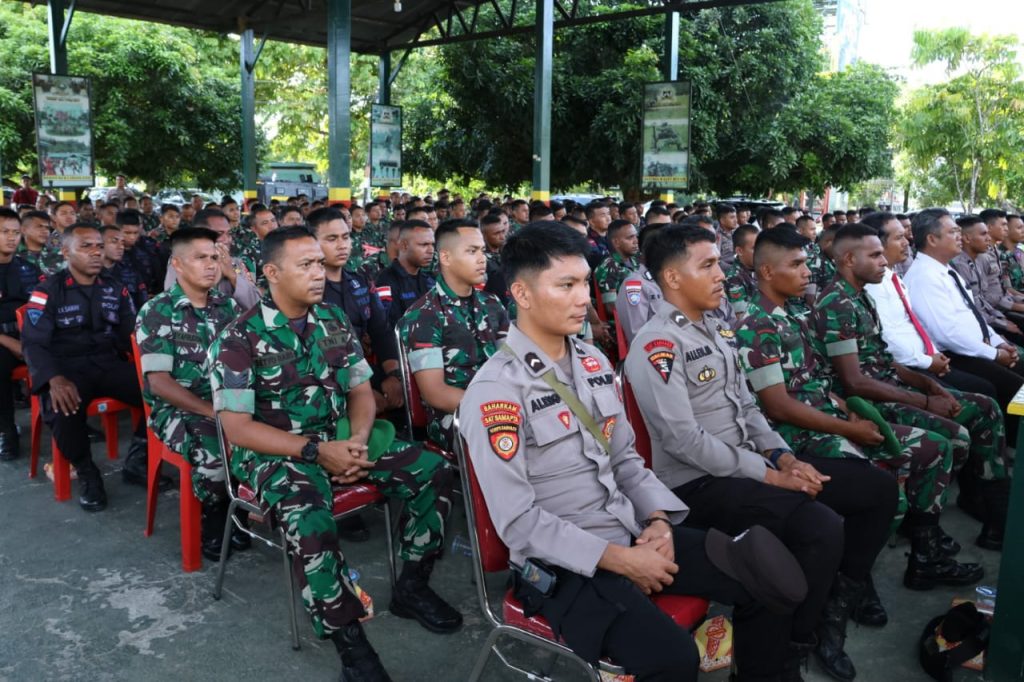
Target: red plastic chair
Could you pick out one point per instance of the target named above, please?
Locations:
(620, 336)
(189, 509)
(492, 556)
(415, 412)
(602, 312)
(347, 501)
(105, 408)
(634, 417)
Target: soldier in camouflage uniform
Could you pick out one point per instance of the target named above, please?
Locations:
(283, 376)
(740, 282)
(623, 260)
(366, 241)
(175, 331)
(170, 220)
(847, 324)
(35, 243)
(449, 333)
(1010, 256)
(150, 219)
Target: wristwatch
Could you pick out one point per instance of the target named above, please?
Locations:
(311, 450)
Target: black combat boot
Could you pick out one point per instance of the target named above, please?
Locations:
(136, 466)
(947, 543)
(870, 610)
(211, 529)
(928, 566)
(8, 440)
(996, 497)
(412, 597)
(91, 495)
(831, 632)
(359, 662)
(796, 661)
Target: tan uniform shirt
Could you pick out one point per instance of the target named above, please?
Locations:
(692, 392)
(552, 491)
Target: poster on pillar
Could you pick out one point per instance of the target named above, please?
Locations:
(63, 111)
(666, 136)
(385, 146)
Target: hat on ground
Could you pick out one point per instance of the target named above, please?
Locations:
(761, 563)
(381, 435)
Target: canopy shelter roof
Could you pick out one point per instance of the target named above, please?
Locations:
(376, 27)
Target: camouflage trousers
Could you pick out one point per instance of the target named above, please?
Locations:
(923, 470)
(195, 438)
(978, 432)
(300, 498)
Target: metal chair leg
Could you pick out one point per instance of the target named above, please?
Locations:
(293, 616)
(485, 653)
(389, 538)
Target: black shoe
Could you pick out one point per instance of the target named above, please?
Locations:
(870, 610)
(928, 566)
(211, 529)
(8, 444)
(359, 662)
(990, 538)
(91, 496)
(136, 467)
(353, 529)
(413, 598)
(996, 496)
(948, 545)
(831, 631)
(240, 540)
(796, 661)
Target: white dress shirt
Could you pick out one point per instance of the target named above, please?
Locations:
(905, 344)
(942, 311)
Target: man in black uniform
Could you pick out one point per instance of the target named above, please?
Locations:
(116, 270)
(403, 282)
(78, 327)
(17, 279)
(141, 253)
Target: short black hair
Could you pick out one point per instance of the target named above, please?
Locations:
(594, 205)
(129, 216)
(227, 200)
(803, 219)
(990, 214)
(852, 232)
(615, 226)
(657, 210)
(777, 240)
(490, 219)
(451, 227)
(69, 233)
(877, 219)
(164, 208)
(648, 232)
(108, 228)
(286, 209)
(8, 214)
(698, 220)
(669, 243)
(724, 209)
(739, 235)
(187, 235)
(925, 223)
(531, 249)
(203, 216)
(414, 224)
(969, 220)
(273, 243)
(41, 215)
(790, 210)
(322, 216)
(539, 210)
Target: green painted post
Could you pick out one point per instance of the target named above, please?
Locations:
(1004, 660)
(58, 48)
(670, 67)
(248, 71)
(545, 34)
(384, 79)
(339, 94)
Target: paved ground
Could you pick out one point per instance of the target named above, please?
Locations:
(87, 597)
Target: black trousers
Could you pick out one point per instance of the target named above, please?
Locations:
(866, 497)
(812, 531)
(115, 379)
(8, 361)
(967, 383)
(1006, 380)
(608, 615)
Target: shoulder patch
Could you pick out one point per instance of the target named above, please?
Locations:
(590, 363)
(609, 426)
(679, 318)
(502, 419)
(634, 287)
(534, 362)
(662, 361)
(659, 343)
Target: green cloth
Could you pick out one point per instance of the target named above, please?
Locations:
(381, 435)
(862, 408)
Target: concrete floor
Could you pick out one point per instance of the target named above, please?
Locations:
(88, 597)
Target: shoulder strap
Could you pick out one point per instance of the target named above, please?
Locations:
(571, 399)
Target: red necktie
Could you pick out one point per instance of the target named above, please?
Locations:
(929, 347)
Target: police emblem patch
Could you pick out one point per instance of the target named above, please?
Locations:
(609, 426)
(706, 374)
(662, 361)
(564, 418)
(633, 289)
(502, 419)
(590, 364)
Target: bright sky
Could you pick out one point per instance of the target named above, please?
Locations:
(889, 25)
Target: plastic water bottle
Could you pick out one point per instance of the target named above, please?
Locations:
(461, 545)
(353, 575)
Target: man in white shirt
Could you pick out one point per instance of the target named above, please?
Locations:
(946, 309)
(902, 331)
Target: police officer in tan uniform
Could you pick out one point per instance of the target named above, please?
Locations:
(548, 437)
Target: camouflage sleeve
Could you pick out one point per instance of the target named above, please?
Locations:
(603, 277)
(760, 352)
(231, 376)
(153, 334)
(359, 370)
(836, 322)
(422, 338)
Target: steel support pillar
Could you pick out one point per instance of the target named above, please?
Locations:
(58, 25)
(248, 71)
(670, 67)
(339, 94)
(545, 34)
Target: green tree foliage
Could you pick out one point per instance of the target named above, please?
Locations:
(764, 117)
(165, 100)
(962, 138)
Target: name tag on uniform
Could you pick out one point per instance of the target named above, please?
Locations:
(274, 359)
(185, 337)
